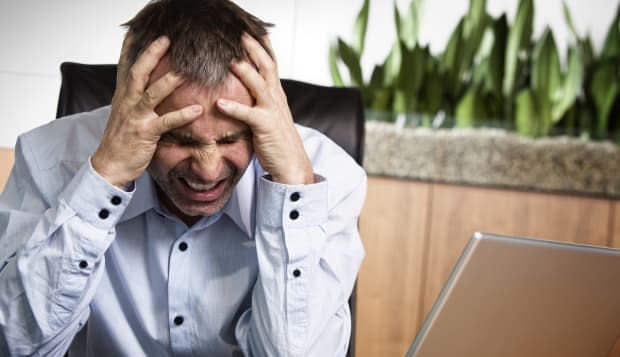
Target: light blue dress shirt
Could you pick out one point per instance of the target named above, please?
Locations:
(98, 271)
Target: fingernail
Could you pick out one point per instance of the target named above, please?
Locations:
(223, 103)
(162, 40)
(196, 109)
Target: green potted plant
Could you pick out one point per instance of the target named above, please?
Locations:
(491, 73)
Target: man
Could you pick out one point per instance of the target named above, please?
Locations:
(191, 217)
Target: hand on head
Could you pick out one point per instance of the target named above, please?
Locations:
(277, 144)
(134, 128)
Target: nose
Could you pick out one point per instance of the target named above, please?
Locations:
(207, 164)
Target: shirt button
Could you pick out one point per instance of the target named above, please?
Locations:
(116, 200)
(83, 264)
(294, 214)
(183, 246)
(104, 213)
(178, 320)
(295, 196)
(296, 273)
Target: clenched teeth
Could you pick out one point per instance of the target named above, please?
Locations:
(196, 186)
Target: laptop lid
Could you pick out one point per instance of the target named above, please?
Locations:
(511, 296)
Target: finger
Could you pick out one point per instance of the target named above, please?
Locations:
(160, 89)
(238, 111)
(140, 72)
(123, 61)
(177, 119)
(251, 79)
(269, 48)
(261, 59)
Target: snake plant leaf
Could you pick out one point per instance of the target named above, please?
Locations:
(475, 20)
(569, 20)
(333, 66)
(604, 89)
(352, 61)
(392, 65)
(526, 115)
(571, 85)
(519, 39)
(470, 108)
(408, 26)
(401, 102)
(495, 68)
(449, 61)
(359, 29)
(546, 79)
(381, 100)
(611, 46)
(412, 71)
(377, 77)
(431, 93)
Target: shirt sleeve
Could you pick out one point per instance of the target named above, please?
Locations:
(309, 252)
(51, 256)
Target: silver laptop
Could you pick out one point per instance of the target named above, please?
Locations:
(511, 296)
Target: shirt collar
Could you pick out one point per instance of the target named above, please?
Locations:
(240, 208)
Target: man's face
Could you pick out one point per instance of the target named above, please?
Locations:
(197, 166)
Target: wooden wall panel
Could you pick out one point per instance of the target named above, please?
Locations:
(393, 225)
(614, 240)
(459, 211)
(7, 158)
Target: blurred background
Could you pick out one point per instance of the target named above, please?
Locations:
(38, 35)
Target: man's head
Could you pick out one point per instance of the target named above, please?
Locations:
(205, 35)
(196, 167)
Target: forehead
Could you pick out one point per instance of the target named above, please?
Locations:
(212, 123)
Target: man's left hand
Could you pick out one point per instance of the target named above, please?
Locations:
(277, 145)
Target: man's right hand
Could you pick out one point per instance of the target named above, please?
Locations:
(134, 128)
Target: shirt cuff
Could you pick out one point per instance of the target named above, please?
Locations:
(95, 200)
(291, 206)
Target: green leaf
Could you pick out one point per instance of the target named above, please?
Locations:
(469, 109)
(359, 29)
(572, 84)
(409, 24)
(450, 60)
(412, 70)
(546, 70)
(604, 89)
(518, 40)
(569, 20)
(431, 94)
(333, 66)
(352, 61)
(526, 113)
(400, 103)
(611, 46)
(392, 65)
(546, 79)
(495, 72)
(475, 20)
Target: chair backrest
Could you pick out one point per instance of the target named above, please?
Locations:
(336, 112)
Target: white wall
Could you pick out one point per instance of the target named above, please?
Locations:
(38, 35)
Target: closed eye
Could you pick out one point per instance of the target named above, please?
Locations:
(233, 138)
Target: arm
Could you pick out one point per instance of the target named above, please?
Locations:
(51, 257)
(52, 248)
(308, 260)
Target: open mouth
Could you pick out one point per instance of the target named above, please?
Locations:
(200, 187)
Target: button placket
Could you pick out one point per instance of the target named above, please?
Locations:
(178, 281)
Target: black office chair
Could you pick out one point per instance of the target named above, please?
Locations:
(336, 112)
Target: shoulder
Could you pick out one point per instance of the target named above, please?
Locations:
(51, 154)
(69, 139)
(333, 163)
